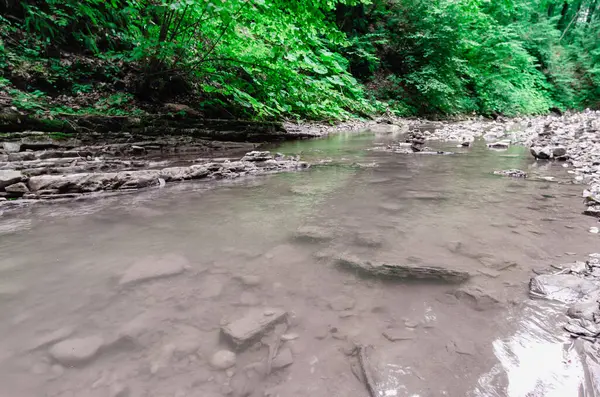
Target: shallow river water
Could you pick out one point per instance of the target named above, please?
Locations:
(60, 267)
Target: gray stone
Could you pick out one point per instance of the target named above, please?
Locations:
(583, 310)
(223, 359)
(119, 390)
(477, 298)
(78, 351)
(17, 188)
(151, 268)
(565, 288)
(9, 177)
(11, 147)
(283, 359)
(409, 271)
(257, 156)
(395, 334)
(252, 326)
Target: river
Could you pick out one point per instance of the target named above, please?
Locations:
(61, 267)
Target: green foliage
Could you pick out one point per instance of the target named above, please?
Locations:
(317, 59)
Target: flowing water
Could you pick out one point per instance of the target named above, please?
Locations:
(60, 267)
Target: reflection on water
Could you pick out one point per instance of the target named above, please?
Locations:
(538, 360)
(60, 266)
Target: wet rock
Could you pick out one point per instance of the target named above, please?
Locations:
(477, 297)
(395, 334)
(75, 352)
(17, 188)
(504, 144)
(342, 302)
(565, 288)
(10, 177)
(409, 271)
(283, 359)
(11, 147)
(513, 173)
(548, 152)
(253, 326)
(257, 156)
(223, 359)
(583, 327)
(314, 234)
(583, 310)
(151, 268)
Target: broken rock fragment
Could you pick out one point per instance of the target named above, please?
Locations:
(252, 326)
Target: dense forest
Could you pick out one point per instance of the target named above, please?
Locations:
(300, 59)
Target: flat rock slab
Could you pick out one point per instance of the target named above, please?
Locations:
(408, 271)
(252, 326)
(50, 338)
(565, 288)
(78, 351)
(151, 268)
(395, 334)
(284, 359)
(9, 177)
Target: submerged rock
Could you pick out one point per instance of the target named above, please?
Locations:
(252, 326)
(408, 271)
(154, 267)
(223, 359)
(74, 352)
(284, 359)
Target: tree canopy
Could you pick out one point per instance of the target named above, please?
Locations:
(315, 59)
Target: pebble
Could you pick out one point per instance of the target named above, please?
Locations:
(79, 351)
(594, 230)
(223, 359)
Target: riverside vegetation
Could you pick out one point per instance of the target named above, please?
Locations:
(306, 59)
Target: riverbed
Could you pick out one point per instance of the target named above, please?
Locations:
(62, 268)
